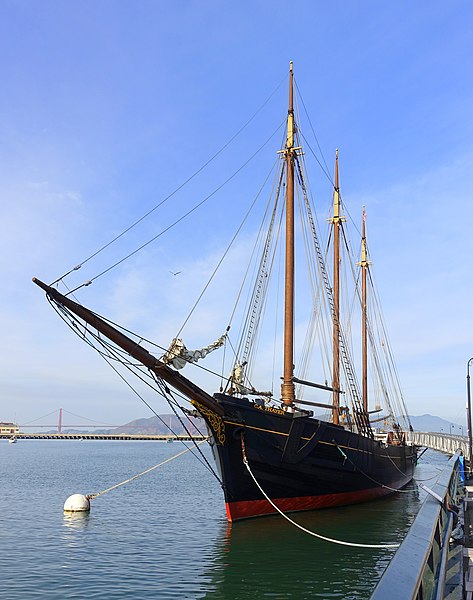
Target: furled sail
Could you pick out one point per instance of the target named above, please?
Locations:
(237, 378)
(178, 355)
(237, 382)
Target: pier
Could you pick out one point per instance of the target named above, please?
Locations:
(448, 444)
(443, 442)
(82, 428)
(428, 564)
(138, 437)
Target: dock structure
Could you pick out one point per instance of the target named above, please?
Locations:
(141, 437)
(428, 564)
(448, 444)
(443, 442)
(468, 549)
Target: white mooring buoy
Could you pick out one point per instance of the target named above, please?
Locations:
(77, 503)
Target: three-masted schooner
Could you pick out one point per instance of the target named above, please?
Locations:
(299, 461)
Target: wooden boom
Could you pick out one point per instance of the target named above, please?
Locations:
(180, 383)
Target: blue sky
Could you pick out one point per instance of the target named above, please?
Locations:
(107, 106)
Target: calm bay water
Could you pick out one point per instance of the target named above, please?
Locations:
(165, 535)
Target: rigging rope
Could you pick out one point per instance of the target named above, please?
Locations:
(203, 460)
(369, 477)
(394, 375)
(113, 353)
(173, 193)
(255, 306)
(346, 358)
(317, 535)
(141, 338)
(248, 212)
(165, 392)
(324, 167)
(114, 487)
(184, 216)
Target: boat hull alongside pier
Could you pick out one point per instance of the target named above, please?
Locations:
(301, 463)
(270, 450)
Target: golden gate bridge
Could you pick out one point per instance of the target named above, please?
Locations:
(59, 424)
(169, 422)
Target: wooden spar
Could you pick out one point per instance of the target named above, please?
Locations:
(318, 404)
(336, 222)
(364, 318)
(315, 385)
(180, 383)
(287, 387)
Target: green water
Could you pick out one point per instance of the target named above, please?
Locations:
(165, 535)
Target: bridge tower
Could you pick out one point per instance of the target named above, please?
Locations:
(59, 423)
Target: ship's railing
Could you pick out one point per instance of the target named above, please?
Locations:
(418, 569)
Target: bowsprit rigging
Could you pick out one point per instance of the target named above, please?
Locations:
(272, 452)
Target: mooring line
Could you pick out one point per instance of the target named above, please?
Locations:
(93, 496)
(416, 479)
(400, 490)
(317, 535)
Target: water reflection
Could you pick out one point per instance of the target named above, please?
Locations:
(270, 558)
(76, 521)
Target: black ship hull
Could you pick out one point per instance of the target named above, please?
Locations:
(301, 463)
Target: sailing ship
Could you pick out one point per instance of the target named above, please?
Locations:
(272, 452)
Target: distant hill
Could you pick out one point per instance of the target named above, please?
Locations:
(155, 426)
(436, 425)
(162, 425)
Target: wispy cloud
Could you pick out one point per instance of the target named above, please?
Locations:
(94, 135)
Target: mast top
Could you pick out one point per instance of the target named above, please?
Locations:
(336, 184)
(337, 218)
(364, 262)
(291, 64)
(290, 113)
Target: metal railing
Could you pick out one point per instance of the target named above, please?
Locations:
(443, 442)
(104, 436)
(418, 569)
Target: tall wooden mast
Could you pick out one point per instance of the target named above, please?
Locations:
(287, 387)
(336, 221)
(364, 318)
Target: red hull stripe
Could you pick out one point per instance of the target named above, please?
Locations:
(256, 508)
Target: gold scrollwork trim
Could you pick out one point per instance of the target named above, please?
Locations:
(214, 421)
